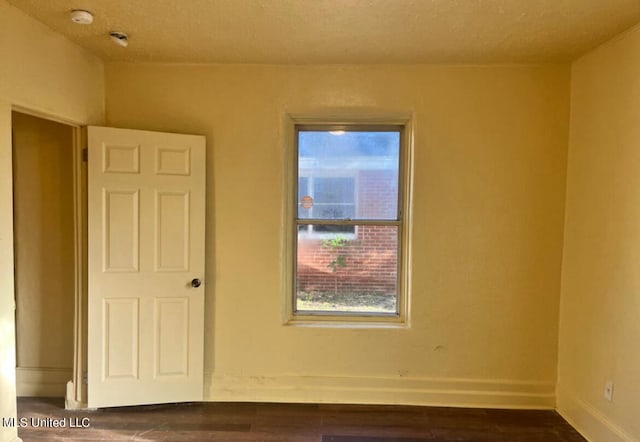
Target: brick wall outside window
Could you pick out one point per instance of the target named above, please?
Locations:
(370, 258)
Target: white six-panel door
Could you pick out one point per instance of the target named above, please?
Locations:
(146, 209)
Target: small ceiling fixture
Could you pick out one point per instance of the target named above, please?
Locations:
(81, 17)
(119, 38)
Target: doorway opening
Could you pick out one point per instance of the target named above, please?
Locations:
(47, 263)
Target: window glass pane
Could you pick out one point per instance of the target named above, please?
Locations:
(332, 228)
(354, 273)
(333, 211)
(334, 190)
(303, 187)
(304, 211)
(358, 170)
(326, 198)
(326, 229)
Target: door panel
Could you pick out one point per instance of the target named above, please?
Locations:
(121, 319)
(172, 337)
(146, 244)
(120, 159)
(172, 221)
(120, 227)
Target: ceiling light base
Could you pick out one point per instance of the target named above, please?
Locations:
(81, 17)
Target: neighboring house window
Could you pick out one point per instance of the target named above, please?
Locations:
(348, 244)
(332, 198)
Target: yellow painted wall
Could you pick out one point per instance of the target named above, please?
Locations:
(600, 309)
(42, 71)
(490, 161)
(44, 242)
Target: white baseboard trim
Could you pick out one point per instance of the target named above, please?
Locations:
(43, 382)
(590, 422)
(447, 392)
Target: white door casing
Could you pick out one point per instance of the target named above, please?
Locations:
(146, 222)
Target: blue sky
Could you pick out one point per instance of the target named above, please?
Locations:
(323, 144)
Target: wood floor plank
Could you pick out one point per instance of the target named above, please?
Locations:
(260, 422)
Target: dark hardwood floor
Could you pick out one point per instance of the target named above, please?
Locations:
(243, 422)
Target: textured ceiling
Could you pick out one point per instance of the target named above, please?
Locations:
(341, 31)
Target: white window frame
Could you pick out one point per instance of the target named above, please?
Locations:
(290, 184)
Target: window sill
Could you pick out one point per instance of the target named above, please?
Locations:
(348, 321)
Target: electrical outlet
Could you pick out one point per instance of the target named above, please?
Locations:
(608, 391)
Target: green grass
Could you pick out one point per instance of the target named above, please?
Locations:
(346, 302)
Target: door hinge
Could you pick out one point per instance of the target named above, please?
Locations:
(85, 154)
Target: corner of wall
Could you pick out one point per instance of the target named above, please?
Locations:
(587, 420)
(601, 155)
